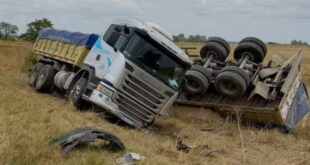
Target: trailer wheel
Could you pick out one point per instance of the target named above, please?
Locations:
(251, 49)
(34, 73)
(196, 83)
(220, 41)
(45, 78)
(257, 41)
(215, 49)
(238, 71)
(76, 93)
(231, 84)
(203, 70)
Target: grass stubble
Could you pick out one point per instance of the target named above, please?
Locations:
(28, 120)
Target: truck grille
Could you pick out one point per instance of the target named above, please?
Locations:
(139, 100)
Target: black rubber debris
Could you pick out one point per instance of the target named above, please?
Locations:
(86, 135)
(182, 147)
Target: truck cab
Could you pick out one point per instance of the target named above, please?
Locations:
(137, 71)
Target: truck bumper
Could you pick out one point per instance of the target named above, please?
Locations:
(106, 103)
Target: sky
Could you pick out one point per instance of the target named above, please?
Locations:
(270, 20)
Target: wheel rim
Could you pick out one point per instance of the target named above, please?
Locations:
(230, 88)
(75, 93)
(193, 84)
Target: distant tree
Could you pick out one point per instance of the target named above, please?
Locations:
(34, 28)
(7, 30)
(298, 42)
(272, 43)
(179, 38)
(191, 38)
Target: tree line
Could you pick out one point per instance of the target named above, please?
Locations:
(191, 38)
(9, 31)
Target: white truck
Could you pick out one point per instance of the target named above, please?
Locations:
(133, 70)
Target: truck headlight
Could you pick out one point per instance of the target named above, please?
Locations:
(106, 91)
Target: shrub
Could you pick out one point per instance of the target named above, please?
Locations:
(29, 62)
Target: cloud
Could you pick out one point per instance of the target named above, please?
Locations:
(271, 20)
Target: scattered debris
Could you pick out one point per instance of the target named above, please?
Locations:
(129, 158)
(182, 147)
(82, 135)
(206, 129)
(203, 150)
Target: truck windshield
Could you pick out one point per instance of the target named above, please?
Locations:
(154, 61)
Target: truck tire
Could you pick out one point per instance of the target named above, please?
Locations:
(203, 70)
(196, 83)
(251, 49)
(257, 41)
(239, 71)
(220, 41)
(231, 84)
(215, 49)
(76, 94)
(45, 78)
(60, 79)
(34, 73)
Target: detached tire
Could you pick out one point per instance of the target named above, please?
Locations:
(34, 73)
(231, 83)
(45, 79)
(76, 94)
(196, 82)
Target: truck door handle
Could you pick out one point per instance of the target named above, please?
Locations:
(98, 57)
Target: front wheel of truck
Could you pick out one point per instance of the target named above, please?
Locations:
(35, 73)
(76, 94)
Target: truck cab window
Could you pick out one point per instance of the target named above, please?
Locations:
(121, 43)
(154, 61)
(112, 38)
(117, 40)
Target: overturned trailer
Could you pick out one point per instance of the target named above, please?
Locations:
(270, 95)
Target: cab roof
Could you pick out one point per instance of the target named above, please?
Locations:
(158, 34)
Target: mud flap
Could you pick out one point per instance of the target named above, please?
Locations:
(299, 108)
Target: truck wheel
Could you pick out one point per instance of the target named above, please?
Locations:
(257, 41)
(76, 94)
(203, 70)
(220, 41)
(238, 71)
(231, 84)
(215, 49)
(45, 78)
(34, 73)
(196, 83)
(251, 49)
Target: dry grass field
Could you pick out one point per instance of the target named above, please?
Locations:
(29, 120)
